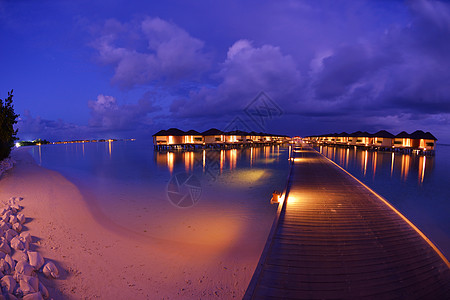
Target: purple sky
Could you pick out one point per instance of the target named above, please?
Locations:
(92, 69)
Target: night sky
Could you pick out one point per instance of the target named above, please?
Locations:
(126, 69)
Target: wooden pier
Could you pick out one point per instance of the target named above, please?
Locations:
(335, 238)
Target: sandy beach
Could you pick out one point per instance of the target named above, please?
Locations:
(98, 258)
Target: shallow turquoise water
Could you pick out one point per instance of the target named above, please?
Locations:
(416, 185)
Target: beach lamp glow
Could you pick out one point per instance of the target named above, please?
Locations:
(275, 197)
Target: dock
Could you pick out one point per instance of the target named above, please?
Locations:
(335, 238)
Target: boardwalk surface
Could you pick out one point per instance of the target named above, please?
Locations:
(336, 239)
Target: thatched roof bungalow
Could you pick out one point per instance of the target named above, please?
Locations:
(383, 138)
(193, 137)
(213, 136)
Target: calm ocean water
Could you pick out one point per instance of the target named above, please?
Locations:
(416, 185)
(133, 185)
(177, 195)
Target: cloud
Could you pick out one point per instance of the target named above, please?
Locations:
(108, 115)
(31, 128)
(246, 71)
(108, 119)
(149, 51)
(361, 63)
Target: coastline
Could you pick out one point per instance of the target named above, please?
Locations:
(96, 260)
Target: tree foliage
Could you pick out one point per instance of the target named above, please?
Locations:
(7, 120)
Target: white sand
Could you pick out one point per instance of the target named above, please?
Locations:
(99, 259)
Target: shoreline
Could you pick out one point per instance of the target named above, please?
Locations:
(97, 261)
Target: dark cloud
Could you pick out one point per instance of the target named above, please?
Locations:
(108, 119)
(346, 65)
(246, 71)
(108, 115)
(149, 51)
(31, 128)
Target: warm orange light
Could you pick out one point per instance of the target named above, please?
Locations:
(392, 164)
(406, 142)
(292, 200)
(170, 162)
(364, 162)
(170, 139)
(405, 166)
(204, 160)
(233, 158)
(347, 154)
(188, 161)
(222, 160)
(375, 156)
(189, 139)
(422, 163)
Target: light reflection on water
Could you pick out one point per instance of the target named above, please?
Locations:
(128, 182)
(416, 185)
(374, 163)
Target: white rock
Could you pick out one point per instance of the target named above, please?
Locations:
(4, 226)
(50, 270)
(43, 290)
(25, 288)
(3, 210)
(20, 256)
(10, 261)
(6, 215)
(33, 296)
(35, 259)
(25, 242)
(4, 247)
(8, 284)
(21, 218)
(32, 281)
(17, 244)
(5, 268)
(23, 268)
(13, 219)
(17, 226)
(25, 236)
(10, 234)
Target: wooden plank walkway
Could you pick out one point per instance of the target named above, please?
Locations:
(337, 239)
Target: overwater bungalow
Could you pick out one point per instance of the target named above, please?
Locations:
(342, 138)
(422, 142)
(177, 139)
(236, 136)
(213, 136)
(173, 136)
(402, 140)
(193, 137)
(255, 137)
(354, 137)
(364, 139)
(383, 139)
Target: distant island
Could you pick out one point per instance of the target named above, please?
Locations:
(39, 142)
